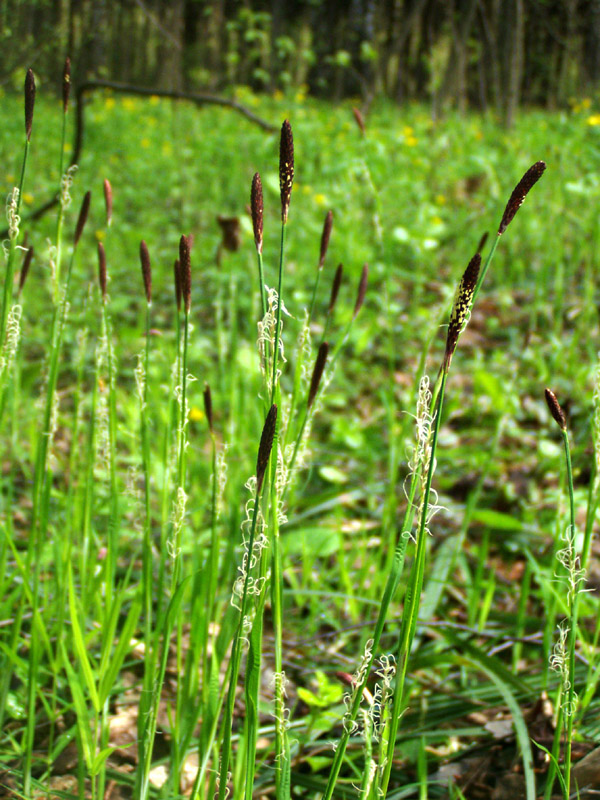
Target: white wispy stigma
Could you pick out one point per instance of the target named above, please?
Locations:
(65, 186)
(383, 693)
(221, 466)
(13, 219)
(13, 334)
(569, 559)
(266, 337)
(140, 378)
(419, 457)
(184, 414)
(282, 719)
(350, 725)
(559, 662)
(254, 585)
(177, 520)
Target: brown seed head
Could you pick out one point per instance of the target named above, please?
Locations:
(462, 306)
(257, 209)
(25, 268)
(102, 270)
(362, 290)
(555, 409)
(83, 215)
(231, 232)
(520, 192)
(265, 446)
(108, 200)
(208, 406)
(335, 287)
(177, 276)
(482, 242)
(320, 362)
(146, 270)
(360, 120)
(286, 168)
(185, 273)
(327, 225)
(29, 102)
(66, 84)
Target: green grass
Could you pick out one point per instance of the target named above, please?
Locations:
(105, 624)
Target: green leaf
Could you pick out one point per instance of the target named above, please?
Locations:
(80, 648)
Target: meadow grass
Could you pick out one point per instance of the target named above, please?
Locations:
(217, 574)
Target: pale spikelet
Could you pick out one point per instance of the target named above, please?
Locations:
(520, 192)
(350, 725)
(13, 334)
(266, 337)
(554, 407)
(139, 374)
(221, 468)
(286, 168)
(325, 236)
(12, 217)
(257, 209)
(559, 662)
(29, 102)
(178, 520)
(66, 84)
(382, 694)
(66, 182)
(250, 560)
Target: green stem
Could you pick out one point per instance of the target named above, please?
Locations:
(278, 323)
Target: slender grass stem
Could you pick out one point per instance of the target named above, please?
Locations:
(274, 380)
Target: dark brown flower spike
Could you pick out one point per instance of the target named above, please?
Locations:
(231, 233)
(208, 406)
(360, 120)
(520, 192)
(102, 270)
(335, 287)
(482, 242)
(177, 277)
(25, 268)
(66, 84)
(462, 306)
(362, 290)
(555, 409)
(146, 270)
(265, 446)
(315, 381)
(29, 102)
(83, 215)
(257, 210)
(286, 168)
(185, 272)
(327, 225)
(108, 200)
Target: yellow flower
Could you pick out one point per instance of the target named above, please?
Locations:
(196, 414)
(109, 103)
(586, 103)
(594, 119)
(154, 100)
(408, 131)
(128, 103)
(410, 141)
(27, 198)
(440, 199)
(100, 235)
(321, 200)
(145, 143)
